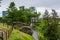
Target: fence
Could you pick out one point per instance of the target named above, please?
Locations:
(4, 34)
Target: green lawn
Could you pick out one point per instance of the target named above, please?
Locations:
(17, 35)
(59, 29)
(5, 26)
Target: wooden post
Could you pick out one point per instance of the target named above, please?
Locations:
(6, 35)
(1, 36)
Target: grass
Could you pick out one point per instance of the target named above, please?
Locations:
(17, 35)
(5, 26)
(59, 29)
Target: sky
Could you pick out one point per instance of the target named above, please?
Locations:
(40, 5)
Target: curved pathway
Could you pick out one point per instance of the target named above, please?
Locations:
(35, 34)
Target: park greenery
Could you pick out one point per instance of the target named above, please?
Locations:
(48, 28)
(18, 35)
(22, 15)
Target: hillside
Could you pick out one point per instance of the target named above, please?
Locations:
(17, 35)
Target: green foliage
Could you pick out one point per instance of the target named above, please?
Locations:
(4, 25)
(22, 15)
(41, 30)
(17, 35)
(27, 30)
(48, 28)
(11, 11)
(12, 4)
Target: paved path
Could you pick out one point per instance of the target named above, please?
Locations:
(35, 34)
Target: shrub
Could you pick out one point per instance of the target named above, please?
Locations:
(26, 30)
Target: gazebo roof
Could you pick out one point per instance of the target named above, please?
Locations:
(34, 18)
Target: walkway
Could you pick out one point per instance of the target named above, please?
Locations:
(35, 34)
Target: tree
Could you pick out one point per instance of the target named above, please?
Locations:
(54, 25)
(51, 32)
(23, 15)
(11, 13)
(46, 17)
(32, 9)
(26, 14)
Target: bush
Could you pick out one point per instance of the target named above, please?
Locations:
(18, 35)
(27, 30)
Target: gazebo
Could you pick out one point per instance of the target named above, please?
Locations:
(34, 19)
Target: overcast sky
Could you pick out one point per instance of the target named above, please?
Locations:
(40, 5)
